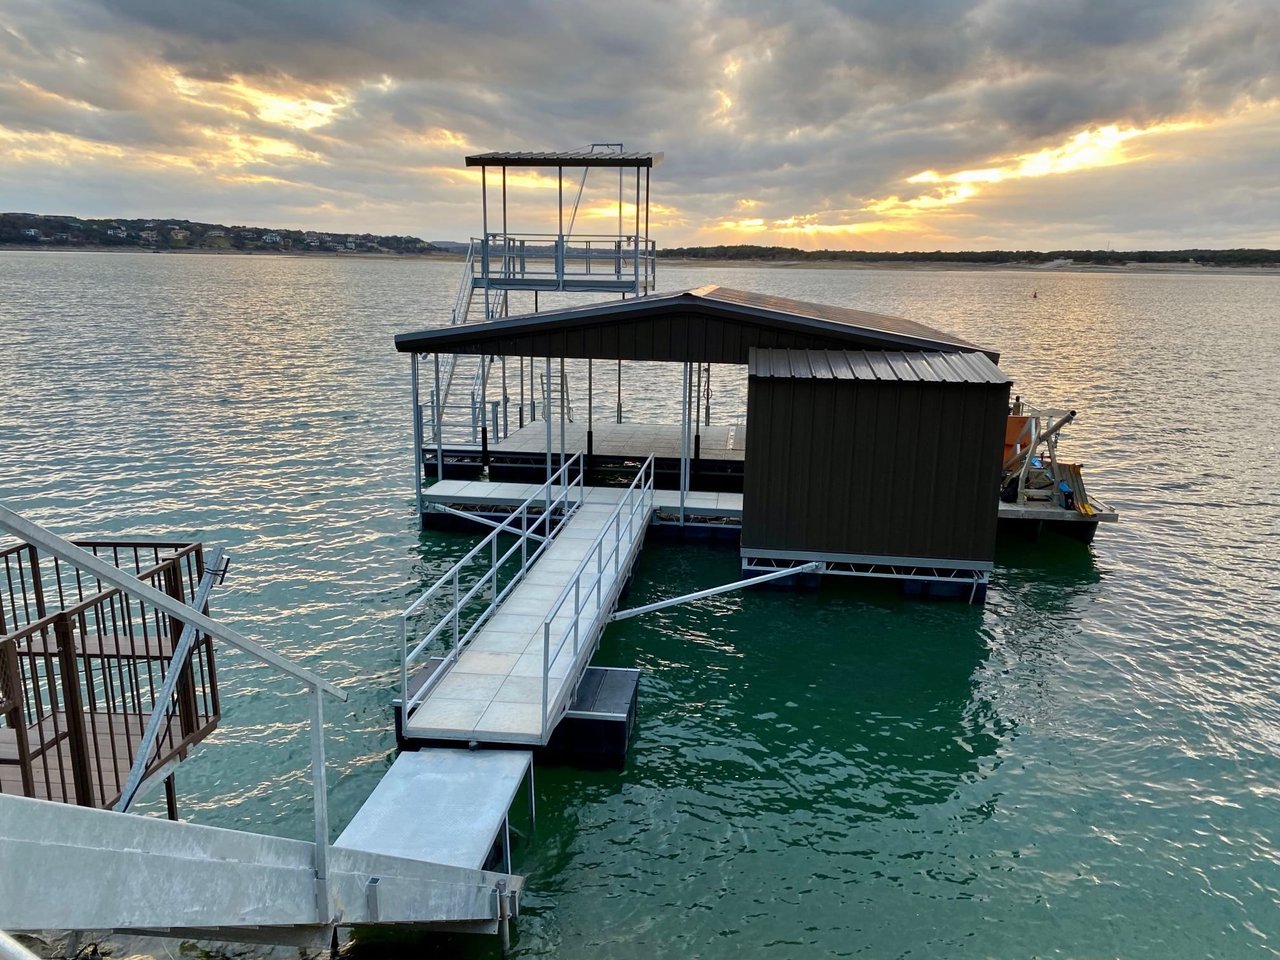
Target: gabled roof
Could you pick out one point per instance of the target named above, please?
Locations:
(564, 158)
(708, 324)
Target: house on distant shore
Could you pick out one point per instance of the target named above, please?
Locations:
(271, 238)
(32, 232)
(149, 236)
(216, 233)
(118, 232)
(179, 234)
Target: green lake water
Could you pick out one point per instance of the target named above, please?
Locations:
(1086, 766)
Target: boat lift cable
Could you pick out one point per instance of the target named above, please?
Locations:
(816, 566)
(577, 200)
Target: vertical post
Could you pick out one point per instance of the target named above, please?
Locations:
(652, 274)
(684, 437)
(484, 235)
(590, 415)
(560, 228)
(484, 402)
(439, 421)
(636, 238)
(320, 803)
(520, 417)
(81, 777)
(619, 390)
(506, 422)
(171, 797)
(417, 434)
(546, 672)
(546, 415)
(564, 396)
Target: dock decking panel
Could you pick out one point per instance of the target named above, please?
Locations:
(482, 493)
(717, 441)
(439, 805)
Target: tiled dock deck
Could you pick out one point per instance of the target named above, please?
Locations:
(494, 692)
(482, 493)
(717, 441)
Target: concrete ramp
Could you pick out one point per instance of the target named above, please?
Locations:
(68, 867)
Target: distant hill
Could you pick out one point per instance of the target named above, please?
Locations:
(1213, 258)
(173, 234)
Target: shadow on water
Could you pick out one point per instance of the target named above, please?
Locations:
(772, 726)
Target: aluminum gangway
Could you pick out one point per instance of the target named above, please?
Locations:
(495, 649)
(429, 849)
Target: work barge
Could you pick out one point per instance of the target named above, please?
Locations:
(836, 442)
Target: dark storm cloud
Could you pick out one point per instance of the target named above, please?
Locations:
(804, 107)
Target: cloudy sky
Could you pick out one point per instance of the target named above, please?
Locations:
(867, 124)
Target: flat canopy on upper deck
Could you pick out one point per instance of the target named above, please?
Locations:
(710, 324)
(564, 158)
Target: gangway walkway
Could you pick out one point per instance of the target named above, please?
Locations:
(551, 575)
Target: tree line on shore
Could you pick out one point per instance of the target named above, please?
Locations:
(1215, 258)
(62, 231)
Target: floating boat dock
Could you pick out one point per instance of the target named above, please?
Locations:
(873, 446)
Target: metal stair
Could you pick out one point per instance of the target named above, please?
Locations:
(85, 869)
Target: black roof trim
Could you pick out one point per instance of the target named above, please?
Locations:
(838, 322)
(564, 158)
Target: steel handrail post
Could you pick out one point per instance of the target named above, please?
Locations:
(320, 802)
(617, 538)
(456, 614)
(404, 668)
(546, 672)
(577, 610)
(493, 568)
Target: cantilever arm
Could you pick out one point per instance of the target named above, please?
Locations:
(24, 529)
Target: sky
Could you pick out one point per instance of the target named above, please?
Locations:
(858, 124)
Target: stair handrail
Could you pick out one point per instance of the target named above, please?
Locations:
(22, 528)
(637, 500)
(462, 299)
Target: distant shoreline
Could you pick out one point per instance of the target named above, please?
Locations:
(971, 267)
(232, 252)
(698, 263)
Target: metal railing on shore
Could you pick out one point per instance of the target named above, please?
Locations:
(533, 524)
(631, 515)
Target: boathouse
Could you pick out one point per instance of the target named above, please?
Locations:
(872, 442)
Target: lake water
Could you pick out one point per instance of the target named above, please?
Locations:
(1087, 766)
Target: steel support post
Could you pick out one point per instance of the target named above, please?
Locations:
(546, 415)
(417, 434)
(484, 403)
(439, 414)
(684, 437)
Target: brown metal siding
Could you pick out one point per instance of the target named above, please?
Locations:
(873, 467)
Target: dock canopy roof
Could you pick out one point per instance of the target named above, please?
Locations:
(706, 325)
(907, 366)
(564, 158)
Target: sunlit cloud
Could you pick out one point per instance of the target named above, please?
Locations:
(1086, 150)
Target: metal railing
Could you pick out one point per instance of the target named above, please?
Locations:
(624, 525)
(462, 299)
(473, 587)
(584, 258)
(83, 566)
(80, 682)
